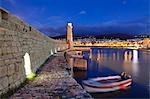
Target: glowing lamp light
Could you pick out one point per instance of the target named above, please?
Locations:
(27, 65)
(70, 24)
(52, 52)
(55, 50)
(58, 48)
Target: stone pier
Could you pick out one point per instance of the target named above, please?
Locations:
(53, 81)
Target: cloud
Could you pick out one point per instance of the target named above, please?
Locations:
(82, 12)
(138, 26)
(50, 31)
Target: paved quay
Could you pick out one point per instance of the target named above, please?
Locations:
(53, 81)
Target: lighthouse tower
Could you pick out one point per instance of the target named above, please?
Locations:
(69, 35)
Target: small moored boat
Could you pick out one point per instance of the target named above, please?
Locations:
(107, 84)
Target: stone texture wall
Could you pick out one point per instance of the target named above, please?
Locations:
(16, 39)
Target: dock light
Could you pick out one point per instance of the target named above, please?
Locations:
(58, 48)
(27, 65)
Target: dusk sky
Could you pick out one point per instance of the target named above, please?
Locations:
(87, 16)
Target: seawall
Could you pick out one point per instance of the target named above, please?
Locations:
(22, 48)
(53, 81)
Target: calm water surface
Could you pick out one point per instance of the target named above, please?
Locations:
(109, 61)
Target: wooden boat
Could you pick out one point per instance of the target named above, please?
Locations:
(107, 84)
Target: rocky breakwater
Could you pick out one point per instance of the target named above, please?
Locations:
(53, 81)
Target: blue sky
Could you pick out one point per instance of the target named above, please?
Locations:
(87, 16)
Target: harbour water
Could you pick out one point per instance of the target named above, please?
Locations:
(111, 61)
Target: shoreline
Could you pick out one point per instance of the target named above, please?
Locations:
(88, 47)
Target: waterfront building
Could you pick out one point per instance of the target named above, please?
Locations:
(146, 43)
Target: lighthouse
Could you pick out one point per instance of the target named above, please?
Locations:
(69, 35)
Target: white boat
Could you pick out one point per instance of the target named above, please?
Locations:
(107, 84)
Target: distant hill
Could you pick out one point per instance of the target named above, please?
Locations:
(121, 36)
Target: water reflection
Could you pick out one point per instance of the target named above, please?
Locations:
(127, 56)
(127, 61)
(98, 56)
(90, 55)
(109, 61)
(135, 56)
(135, 63)
(114, 56)
(130, 64)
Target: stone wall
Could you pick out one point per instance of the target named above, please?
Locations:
(16, 39)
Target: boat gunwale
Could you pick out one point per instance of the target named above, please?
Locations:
(108, 85)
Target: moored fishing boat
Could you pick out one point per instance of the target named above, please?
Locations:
(107, 84)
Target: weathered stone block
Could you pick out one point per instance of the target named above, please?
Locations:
(3, 83)
(3, 71)
(1, 63)
(0, 51)
(10, 79)
(11, 69)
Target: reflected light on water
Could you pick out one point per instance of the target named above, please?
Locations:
(98, 56)
(135, 63)
(118, 56)
(135, 56)
(127, 56)
(130, 56)
(114, 56)
(131, 62)
(90, 56)
(114, 61)
(127, 60)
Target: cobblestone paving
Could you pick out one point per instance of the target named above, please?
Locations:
(52, 82)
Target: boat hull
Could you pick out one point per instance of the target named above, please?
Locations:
(93, 88)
